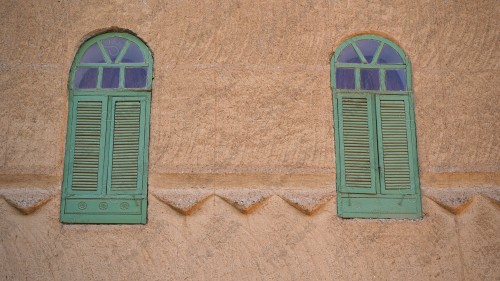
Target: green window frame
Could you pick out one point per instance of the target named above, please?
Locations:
(106, 159)
(375, 136)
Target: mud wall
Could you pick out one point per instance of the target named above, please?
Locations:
(242, 166)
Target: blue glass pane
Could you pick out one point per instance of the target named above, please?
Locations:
(113, 46)
(110, 78)
(349, 55)
(395, 80)
(389, 56)
(133, 54)
(368, 48)
(85, 78)
(344, 78)
(370, 79)
(93, 55)
(136, 77)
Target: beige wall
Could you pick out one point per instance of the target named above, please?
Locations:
(241, 100)
(243, 86)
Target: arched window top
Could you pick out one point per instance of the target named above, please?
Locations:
(112, 61)
(370, 62)
(369, 49)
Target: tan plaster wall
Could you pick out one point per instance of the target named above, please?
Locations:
(241, 99)
(276, 242)
(243, 86)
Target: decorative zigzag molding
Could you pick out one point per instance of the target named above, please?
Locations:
(308, 201)
(27, 200)
(186, 202)
(456, 200)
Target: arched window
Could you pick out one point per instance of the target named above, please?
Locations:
(106, 160)
(375, 142)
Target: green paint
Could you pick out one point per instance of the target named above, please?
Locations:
(375, 140)
(106, 160)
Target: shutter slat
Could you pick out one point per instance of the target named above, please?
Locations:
(87, 145)
(394, 154)
(126, 145)
(356, 157)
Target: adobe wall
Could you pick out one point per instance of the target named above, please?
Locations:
(243, 87)
(242, 101)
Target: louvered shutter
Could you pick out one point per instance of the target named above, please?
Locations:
(395, 145)
(127, 140)
(358, 166)
(88, 129)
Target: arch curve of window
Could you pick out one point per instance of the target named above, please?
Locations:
(372, 63)
(112, 61)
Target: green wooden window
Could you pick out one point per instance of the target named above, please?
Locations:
(106, 160)
(375, 142)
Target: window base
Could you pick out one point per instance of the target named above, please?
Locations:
(104, 210)
(379, 206)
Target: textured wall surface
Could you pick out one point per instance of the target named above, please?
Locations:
(242, 100)
(243, 86)
(276, 242)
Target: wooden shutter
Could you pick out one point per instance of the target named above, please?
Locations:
(127, 138)
(395, 145)
(358, 166)
(88, 129)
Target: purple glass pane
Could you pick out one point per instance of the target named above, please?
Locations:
(368, 48)
(133, 54)
(110, 78)
(344, 78)
(136, 77)
(370, 79)
(92, 55)
(113, 46)
(85, 78)
(349, 55)
(395, 80)
(389, 56)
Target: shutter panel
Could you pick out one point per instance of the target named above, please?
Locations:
(127, 146)
(395, 145)
(87, 148)
(357, 153)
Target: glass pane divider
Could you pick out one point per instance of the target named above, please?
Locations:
(377, 53)
(99, 77)
(104, 53)
(122, 77)
(359, 65)
(358, 51)
(382, 79)
(123, 51)
(357, 78)
(112, 64)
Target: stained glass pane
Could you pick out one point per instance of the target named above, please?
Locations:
(113, 46)
(110, 78)
(349, 55)
(368, 48)
(344, 78)
(93, 55)
(136, 77)
(389, 56)
(133, 54)
(395, 80)
(85, 78)
(370, 79)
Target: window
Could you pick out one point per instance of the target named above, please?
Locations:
(376, 155)
(105, 170)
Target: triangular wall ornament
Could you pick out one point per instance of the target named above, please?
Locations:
(246, 201)
(307, 201)
(455, 200)
(27, 200)
(184, 201)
